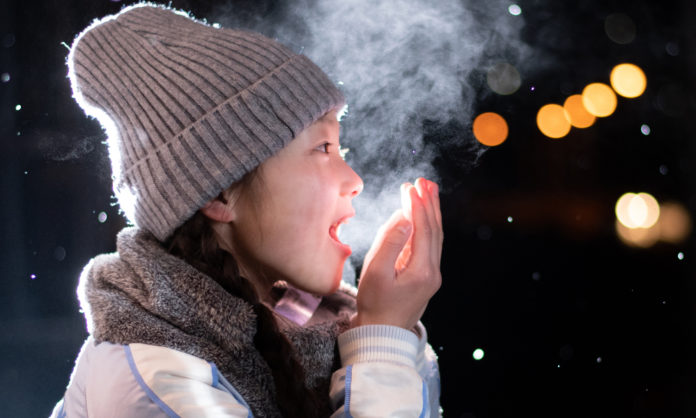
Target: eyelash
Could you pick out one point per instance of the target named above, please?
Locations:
(325, 149)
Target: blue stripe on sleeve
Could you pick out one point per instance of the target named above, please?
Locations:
(224, 384)
(153, 397)
(61, 413)
(349, 380)
(216, 379)
(425, 400)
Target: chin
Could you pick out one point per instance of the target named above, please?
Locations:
(320, 281)
(336, 285)
(329, 288)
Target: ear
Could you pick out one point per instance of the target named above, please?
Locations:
(219, 211)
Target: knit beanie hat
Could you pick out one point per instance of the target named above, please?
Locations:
(189, 108)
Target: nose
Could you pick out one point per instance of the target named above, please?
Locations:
(353, 184)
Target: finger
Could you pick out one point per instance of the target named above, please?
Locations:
(425, 193)
(404, 257)
(423, 186)
(406, 200)
(422, 234)
(388, 244)
(434, 188)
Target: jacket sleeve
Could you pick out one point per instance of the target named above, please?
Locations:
(183, 385)
(387, 371)
(140, 380)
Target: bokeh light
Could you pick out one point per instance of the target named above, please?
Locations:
(599, 99)
(578, 116)
(639, 210)
(478, 354)
(637, 237)
(628, 80)
(59, 253)
(675, 223)
(8, 40)
(490, 129)
(553, 121)
(620, 28)
(672, 48)
(514, 10)
(503, 78)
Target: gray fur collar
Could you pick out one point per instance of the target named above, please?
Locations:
(143, 294)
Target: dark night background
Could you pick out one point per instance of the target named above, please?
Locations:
(573, 322)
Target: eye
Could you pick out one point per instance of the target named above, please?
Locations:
(323, 147)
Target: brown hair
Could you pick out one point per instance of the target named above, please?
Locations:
(195, 242)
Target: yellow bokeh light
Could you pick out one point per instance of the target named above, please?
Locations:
(599, 99)
(637, 210)
(490, 129)
(578, 116)
(675, 223)
(652, 209)
(553, 121)
(628, 80)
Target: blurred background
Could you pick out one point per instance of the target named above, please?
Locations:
(567, 188)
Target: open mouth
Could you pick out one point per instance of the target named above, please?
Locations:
(334, 231)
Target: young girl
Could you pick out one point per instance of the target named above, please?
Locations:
(225, 298)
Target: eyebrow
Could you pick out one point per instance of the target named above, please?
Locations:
(325, 119)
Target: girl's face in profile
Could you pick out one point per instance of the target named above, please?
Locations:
(286, 221)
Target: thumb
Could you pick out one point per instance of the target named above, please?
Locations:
(392, 237)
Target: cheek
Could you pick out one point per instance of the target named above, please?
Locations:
(303, 196)
(297, 205)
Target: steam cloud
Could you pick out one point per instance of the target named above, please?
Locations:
(402, 64)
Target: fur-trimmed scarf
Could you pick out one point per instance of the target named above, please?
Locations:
(143, 294)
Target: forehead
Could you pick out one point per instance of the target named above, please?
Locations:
(322, 126)
(330, 118)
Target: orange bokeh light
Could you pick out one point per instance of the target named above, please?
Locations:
(578, 116)
(628, 80)
(599, 99)
(637, 237)
(675, 223)
(553, 121)
(490, 129)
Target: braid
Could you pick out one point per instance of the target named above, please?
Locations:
(196, 243)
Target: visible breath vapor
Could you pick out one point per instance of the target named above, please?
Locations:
(402, 64)
(61, 148)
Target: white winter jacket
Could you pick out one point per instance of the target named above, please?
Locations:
(387, 372)
(167, 340)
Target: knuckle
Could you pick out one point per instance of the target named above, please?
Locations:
(429, 276)
(433, 280)
(438, 282)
